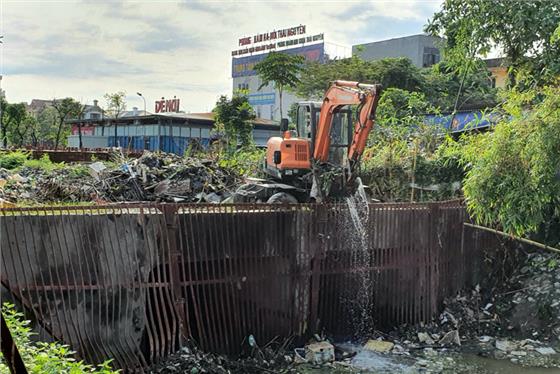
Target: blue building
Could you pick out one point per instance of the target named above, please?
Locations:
(169, 132)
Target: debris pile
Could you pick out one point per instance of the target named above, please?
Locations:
(519, 320)
(193, 360)
(166, 177)
(157, 177)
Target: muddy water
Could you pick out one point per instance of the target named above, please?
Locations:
(442, 362)
(491, 365)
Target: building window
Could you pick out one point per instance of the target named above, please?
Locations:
(94, 115)
(493, 82)
(431, 56)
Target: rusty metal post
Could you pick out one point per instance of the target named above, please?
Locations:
(9, 349)
(175, 264)
(318, 250)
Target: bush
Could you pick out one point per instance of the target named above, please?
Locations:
(245, 161)
(43, 357)
(513, 173)
(44, 163)
(13, 160)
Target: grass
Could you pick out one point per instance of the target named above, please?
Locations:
(41, 357)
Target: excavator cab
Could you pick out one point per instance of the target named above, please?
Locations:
(340, 132)
(289, 156)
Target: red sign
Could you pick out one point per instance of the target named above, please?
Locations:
(86, 130)
(273, 35)
(167, 106)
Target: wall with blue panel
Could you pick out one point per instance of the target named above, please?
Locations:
(169, 144)
(462, 121)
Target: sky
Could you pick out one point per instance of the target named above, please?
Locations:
(84, 49)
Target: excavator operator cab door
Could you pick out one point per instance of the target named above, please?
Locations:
(341, 129)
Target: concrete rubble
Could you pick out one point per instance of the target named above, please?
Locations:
(157, 177)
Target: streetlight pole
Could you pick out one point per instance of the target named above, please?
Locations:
(143, 125)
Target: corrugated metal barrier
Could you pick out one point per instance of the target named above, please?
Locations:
(132, 282)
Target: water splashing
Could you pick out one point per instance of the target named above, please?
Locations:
(361, 303)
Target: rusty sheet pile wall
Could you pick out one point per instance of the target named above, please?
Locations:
(132, 282)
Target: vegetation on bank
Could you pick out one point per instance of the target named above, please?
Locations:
(42, 357)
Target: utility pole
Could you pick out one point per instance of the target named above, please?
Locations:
(143, 125)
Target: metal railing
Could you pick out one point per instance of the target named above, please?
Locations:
(132, 282)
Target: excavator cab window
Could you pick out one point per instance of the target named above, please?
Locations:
(341, 129)
(307, 118)
(340, 135)
(304, 121)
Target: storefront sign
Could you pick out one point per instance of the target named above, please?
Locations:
(282, 44)
(245, 66)
(273, 35)
(167, 106)
(262, 98)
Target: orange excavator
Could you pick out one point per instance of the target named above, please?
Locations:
(319, 161)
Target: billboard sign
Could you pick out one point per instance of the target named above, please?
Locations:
(167, 106)
(274, 45)
(262, 98)
(245, 66)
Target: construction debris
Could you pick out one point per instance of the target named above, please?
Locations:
(158, 177)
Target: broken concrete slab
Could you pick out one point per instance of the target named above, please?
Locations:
(451, 338)
(379, 346)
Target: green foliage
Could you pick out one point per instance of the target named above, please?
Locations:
(523, 30)
(44, 163)
(512, 172)
(116, 103)
(45, 132)
(65, 109)
(282, 69)
(12, 160)
(13, 123)
(246, 162)
(234, 117)
(401, 108)
(401, 162)
(390, 72)
(439, 84)
(292, 114)
(442, 85)
(41, 357)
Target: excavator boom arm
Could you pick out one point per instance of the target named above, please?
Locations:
(347, 93)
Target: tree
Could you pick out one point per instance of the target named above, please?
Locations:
(13, 116)
(21, 132)
(80, 116)
(65, 109)
(46, 127)
(449, 90)
(512, 173)
(282, 69)
(440, 84)
(390, 72)
(522, 30)
(116, 105)
(235, 117)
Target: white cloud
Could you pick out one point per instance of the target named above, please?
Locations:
(84, 49)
